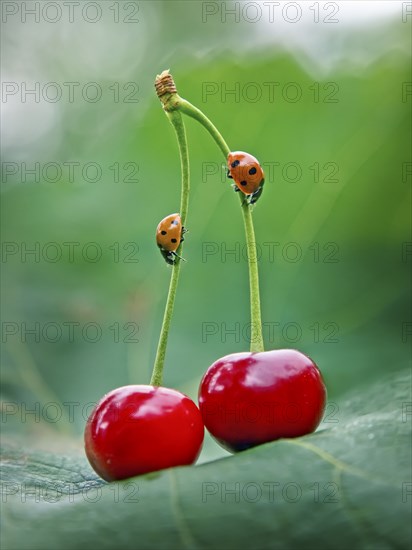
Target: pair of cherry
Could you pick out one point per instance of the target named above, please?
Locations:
(245, 399)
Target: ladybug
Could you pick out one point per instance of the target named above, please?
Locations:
(247, 174)
(169, 235)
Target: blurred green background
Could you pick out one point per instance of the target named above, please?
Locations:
(325, 106)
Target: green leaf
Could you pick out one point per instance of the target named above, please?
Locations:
(346, 486)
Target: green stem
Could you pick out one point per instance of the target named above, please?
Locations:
(192, 111)
(256, 337)
(157, 375)
(256, 340)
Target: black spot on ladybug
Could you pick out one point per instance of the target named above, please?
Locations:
(174, 240)
(235, 163)
(243, 183)
(163, 232)
(252, 171)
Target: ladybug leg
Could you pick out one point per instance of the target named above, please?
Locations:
(228, 175)
(235, 188)
(255, 196)
(184, 230)
(177, 256)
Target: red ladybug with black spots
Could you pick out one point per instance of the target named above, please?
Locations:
(169, 235)
(247, 174)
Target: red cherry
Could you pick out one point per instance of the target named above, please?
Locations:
(251, 398)
(138, 429)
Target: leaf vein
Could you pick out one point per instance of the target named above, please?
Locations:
(181, 523)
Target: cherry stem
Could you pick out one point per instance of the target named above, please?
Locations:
(157, 375)
(256, 337)
(192, 111)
